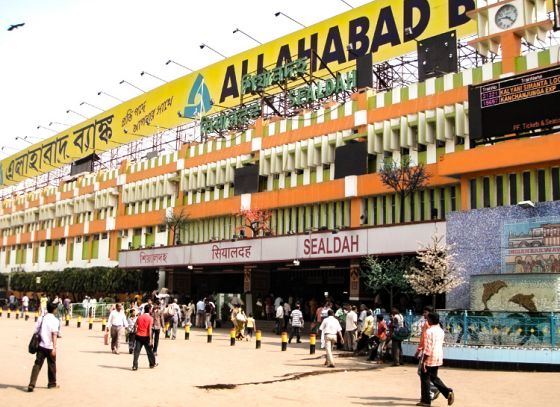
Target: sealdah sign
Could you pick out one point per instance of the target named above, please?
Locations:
(331, 245)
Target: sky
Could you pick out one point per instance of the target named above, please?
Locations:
(69, 50)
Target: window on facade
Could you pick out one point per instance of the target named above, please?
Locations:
(472, 188)
(453, 199)
(512, 189)
(541, 186)
(556, 184)
(486, 192)
(500, 190)
(422, 206)
(526, 186)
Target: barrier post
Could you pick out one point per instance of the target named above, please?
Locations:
(284, 341)
(0, 312)
(36, 315)
(67, 319)
(79, 321)
(90, 323)
(26, 315)
(187, 332)
(103, 324)
(232, 337)
(258, 336)
(9, 314)
(17, 314)
(209, 337)
(312, 339)
(166, 330)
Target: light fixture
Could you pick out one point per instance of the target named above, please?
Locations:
(89, 104)
(60, 124)
(76, 113)
(190, 267)
(153, 76)
(46, 128)
(296, 262)
(203, 45)
(107, 94)
(170, 61)
(130, 84)
(278, 13)
(237, 30)
(526, 204)
(23, 139)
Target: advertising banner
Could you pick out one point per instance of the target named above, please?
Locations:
(377, 27)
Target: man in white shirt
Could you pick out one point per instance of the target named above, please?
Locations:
(116, 324)
(279, 318)
(25, 304)
(200, 313)
(351, 328)
(174, 312)
(47, 326)
(297, 323)
(331, 329)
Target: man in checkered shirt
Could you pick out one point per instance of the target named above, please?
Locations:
(432, 359)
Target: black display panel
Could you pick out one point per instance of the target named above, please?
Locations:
(246, 179)
(364, 74)
(83, 164)
(515, 105)
(351, 159)
(437, 55)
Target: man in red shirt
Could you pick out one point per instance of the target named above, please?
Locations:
(432, 359)
(143, 338)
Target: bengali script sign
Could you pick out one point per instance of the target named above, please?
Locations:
(153, 258)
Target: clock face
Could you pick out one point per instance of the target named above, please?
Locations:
(506, 16)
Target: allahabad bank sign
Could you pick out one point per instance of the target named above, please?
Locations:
(377, 27)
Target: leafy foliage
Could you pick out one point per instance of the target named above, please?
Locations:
(81, 281)
(404, 178)
(439, 274)
(258, 220)
(387, 275)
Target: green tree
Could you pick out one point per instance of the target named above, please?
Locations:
(386, 275)
(404, 178)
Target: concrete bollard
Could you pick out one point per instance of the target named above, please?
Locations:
(67, 319)
(209, 337)
(232, 337)
(90, 323)
(284, 337)
(79, 321)
(258, 337)
(312, 339)
(187, 332)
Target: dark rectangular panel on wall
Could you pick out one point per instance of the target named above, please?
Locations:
(472, 183)
(556, 184)
(513, 189)
(526, 186)
(246, 179)
(350, 159)
(486, 192)
(499, 190)
(541, 185)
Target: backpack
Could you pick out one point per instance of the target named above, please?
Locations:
(403, 332)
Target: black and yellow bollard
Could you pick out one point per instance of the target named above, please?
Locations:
(166, 330)
(187, 332)
(284, 341)
(0, 311)
(103, 324)
(90, 323)
(36, 316)
(17, 314)
(79, 321)
(312, 339)
(209, 337)
(26, 315)
(67, 319)
(232, 337)
(258, 336)
(9, 314)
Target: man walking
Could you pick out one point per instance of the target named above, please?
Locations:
(143, 330)
(432, 359)
(351, 328)
(47, 326)
(297, 323)
(200, 314)
(173, 313)
(279, 318)
(434, 392)
(116, 324)
(331, 329)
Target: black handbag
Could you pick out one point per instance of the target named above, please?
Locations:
(35, 340)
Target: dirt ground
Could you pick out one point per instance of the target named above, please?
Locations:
(89, 374)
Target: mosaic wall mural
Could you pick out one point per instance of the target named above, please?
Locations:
(507, 241)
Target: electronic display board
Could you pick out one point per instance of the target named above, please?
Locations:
(518, 104)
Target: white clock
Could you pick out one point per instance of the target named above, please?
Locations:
(506, 16)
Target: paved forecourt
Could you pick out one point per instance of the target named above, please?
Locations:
(90, 374)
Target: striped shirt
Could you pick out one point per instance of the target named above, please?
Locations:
(297, 318)
(433, 346)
